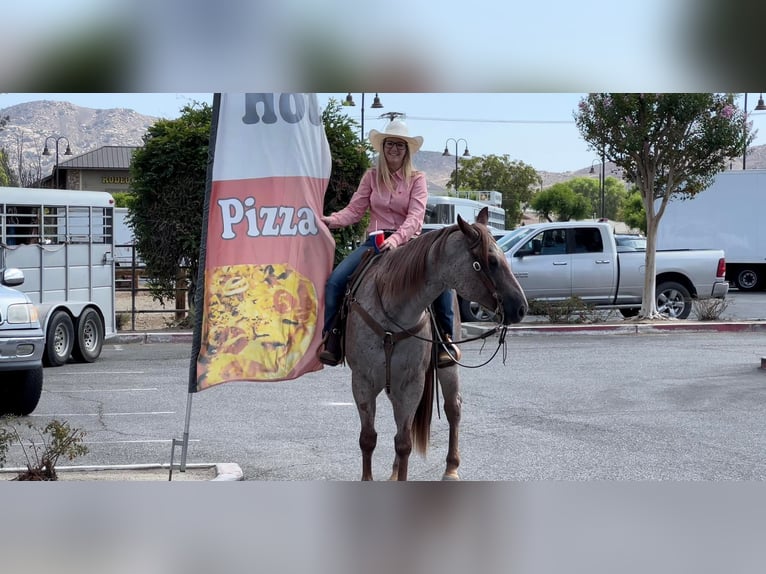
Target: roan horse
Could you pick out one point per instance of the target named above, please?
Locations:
(388, 341)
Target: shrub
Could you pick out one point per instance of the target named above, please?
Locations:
(56, 439)
(709, 309)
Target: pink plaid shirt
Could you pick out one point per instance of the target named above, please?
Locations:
(402, 210)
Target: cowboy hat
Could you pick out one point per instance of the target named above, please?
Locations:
(395, 129)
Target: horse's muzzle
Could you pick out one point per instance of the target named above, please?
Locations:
(514, 311)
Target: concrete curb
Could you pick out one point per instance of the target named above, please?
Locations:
(223, 471)
(476, 329)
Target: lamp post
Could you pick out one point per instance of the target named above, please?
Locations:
(759, 107)
(46, 151)
(466, 153)
(601, 182)
(376, 105)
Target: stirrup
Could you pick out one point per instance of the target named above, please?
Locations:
(449, 353)
(331, 354)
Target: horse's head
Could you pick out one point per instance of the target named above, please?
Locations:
(490, 281)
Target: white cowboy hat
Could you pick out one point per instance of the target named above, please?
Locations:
(395, 129)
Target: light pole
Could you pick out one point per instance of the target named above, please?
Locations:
(760, 107)
(376, 105)
(601, 182)
(46, 151)
(466, 153)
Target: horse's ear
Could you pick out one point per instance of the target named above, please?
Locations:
(483, 216)
(465, 227)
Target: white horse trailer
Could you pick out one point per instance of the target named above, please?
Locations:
(63, 241)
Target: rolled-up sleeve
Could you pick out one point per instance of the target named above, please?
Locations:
(416, 210)
(357, 207)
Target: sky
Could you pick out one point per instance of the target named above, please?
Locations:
(535, 128)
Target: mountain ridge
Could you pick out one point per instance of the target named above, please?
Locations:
(34, 123)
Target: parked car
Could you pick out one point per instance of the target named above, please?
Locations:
(21, 348)
(560, 260)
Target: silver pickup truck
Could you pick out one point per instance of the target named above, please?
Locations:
(556, 261)
(21, 348)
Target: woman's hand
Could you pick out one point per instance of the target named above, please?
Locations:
(388, 245)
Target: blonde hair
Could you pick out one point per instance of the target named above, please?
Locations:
(384, 175)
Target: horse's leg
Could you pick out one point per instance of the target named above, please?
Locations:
(450, 384)
(368, 438)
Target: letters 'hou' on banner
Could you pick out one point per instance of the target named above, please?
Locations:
(267, 255)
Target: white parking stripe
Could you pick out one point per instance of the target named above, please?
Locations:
(103, 414)
(103, 390)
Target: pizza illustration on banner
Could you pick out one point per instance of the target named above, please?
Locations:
(260, 322)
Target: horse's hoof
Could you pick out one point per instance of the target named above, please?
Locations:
(450, 477)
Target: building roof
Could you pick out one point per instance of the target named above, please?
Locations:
(106, 157)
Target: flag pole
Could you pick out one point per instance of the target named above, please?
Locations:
(198, 293)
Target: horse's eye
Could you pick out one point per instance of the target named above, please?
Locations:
(493, 261)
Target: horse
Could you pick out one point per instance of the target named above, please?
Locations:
(389, 338)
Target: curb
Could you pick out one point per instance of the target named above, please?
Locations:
(475, 329)
(223, 471)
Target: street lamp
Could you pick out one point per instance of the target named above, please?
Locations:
(601, 181)
(759, 107)
(349, 101)
(46, 151)
(466, 153)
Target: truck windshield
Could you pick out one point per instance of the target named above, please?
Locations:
(513, 237)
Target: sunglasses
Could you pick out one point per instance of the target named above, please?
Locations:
(398, 145)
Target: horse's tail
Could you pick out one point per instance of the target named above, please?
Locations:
(421, 424)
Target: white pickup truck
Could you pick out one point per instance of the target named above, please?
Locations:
(559, 260)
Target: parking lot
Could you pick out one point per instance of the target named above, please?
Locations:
(670, 406)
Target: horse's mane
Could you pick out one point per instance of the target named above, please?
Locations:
(402, 272)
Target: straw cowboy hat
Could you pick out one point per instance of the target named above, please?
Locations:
(395, 129)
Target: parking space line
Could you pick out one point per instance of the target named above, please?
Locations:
(103, 390)
(103, 414)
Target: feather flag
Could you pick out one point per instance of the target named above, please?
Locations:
(265, 255)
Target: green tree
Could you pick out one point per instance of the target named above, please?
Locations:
(6, 174)
(614, 194)
(633, 213)
(667, 144)
(350, 159)
(560, 200)
(169, 174)
(516, 180)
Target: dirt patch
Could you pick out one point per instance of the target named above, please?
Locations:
(143, 313)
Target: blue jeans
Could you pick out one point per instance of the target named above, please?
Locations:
(335, 289)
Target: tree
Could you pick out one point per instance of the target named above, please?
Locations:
(349, 162)
(560, 200)
(6, 174)
(614, 194)
(514, 179)
(668, 145)
(632, 212)
(169, 174)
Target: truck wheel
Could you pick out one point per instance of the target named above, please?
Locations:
(471, 312)
(22, 392)
(90, 337)
(674, 300)
(747, 280)
(59, 340)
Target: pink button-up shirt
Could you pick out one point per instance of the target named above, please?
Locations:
(402, 210)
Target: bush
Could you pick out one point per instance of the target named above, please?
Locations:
(572, 310)
(57, 439)
(709, 309)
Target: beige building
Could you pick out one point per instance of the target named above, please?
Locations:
(104, 169)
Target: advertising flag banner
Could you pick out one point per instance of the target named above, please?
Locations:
(267, 256)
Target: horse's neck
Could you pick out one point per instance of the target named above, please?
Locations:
(406, 311)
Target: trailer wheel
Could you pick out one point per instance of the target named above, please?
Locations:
(59, 340)
(674, 300)
(747, 280)
(21, 391)
(90, 337)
